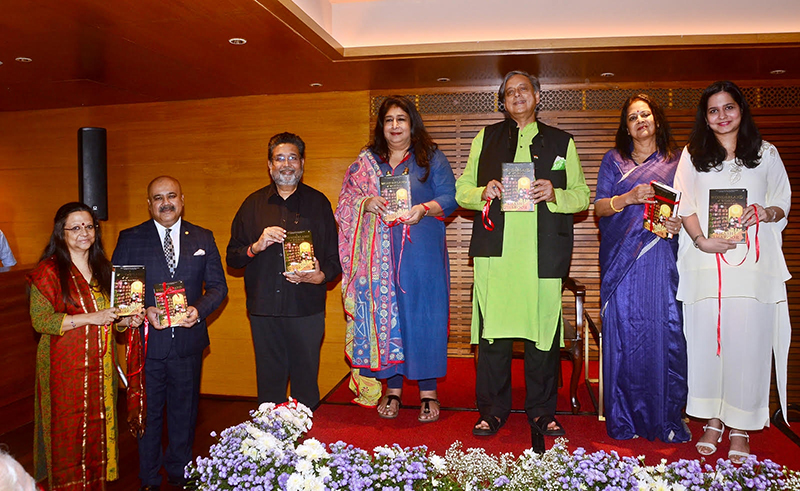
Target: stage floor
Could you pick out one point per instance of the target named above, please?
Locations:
(337, 419)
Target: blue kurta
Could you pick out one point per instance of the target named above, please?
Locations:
(423, 287)
(644, 351)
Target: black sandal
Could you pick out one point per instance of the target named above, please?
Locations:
(541, 425)
(388, 404)
(493, 422)
(426, 409)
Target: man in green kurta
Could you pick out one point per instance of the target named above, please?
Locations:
(520, 258)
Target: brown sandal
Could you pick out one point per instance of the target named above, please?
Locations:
(425, 410)
(386, 404)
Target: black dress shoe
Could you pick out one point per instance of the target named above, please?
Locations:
(150, 487)
(178, 482)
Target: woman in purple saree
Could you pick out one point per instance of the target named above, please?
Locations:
(644, 350)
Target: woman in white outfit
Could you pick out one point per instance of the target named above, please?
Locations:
(734, 294)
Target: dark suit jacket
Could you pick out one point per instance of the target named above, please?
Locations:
(141, 245)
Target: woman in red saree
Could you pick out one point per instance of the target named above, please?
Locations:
(75, 428)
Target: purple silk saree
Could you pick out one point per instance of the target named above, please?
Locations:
(644, 350)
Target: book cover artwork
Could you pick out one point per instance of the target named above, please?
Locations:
(725, 210)
(127, 292)
(397, 192)
(171, 299)
(298, 251)
(666, 203)
(517, 187)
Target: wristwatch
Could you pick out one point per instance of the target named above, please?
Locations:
(695, 240)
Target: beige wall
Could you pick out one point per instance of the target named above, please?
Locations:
(217, 149)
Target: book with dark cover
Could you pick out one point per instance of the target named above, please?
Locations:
(298, 251)
(517, 187)
(397, 192)
(127, 289)
(725, 210)
(171, 299)
(666, 204)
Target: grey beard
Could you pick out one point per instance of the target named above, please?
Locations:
(287, 180)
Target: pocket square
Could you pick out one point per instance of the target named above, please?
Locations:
(200, 252)
(559, 163)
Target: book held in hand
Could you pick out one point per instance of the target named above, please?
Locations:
(397, 192)
(725, 210)
(171, 299)
(298, 251)
(666, 203)
(127, 289)
(517, 187)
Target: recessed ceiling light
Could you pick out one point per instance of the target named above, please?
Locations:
(237, 41)
(443, 79)
(1, 62)
(607, 74)
(23, 59)
(315, 84)
(777, 72)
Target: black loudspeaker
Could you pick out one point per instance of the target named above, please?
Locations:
(92, 172)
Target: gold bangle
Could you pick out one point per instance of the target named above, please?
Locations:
(611, 203)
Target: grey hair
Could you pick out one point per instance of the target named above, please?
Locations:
(12, 476)
(501, 92)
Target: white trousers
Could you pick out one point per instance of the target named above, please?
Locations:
(735, 385)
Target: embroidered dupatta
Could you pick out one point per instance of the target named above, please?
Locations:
(372, 336)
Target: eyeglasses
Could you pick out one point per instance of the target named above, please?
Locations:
(291, 158)
(77, 228)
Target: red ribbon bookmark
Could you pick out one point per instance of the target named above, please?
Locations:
(488, 224)
(719, 275)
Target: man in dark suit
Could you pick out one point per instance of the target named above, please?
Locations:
(172, 249)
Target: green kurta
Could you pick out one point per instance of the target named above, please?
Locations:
(514, 301)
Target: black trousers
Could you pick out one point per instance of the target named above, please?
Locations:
(287, 349)
(174, 383)
(493, 381)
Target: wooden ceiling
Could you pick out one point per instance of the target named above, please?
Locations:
(96, 52)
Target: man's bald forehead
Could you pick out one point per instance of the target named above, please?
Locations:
(163, 178)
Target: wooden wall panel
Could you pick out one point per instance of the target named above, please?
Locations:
(217, 148)
(17, 365)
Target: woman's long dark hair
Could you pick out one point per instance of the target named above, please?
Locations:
(421, 141)
(58, 249)
(707, 153)
(664, 142)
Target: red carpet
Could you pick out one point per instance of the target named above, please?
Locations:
(362, 427)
